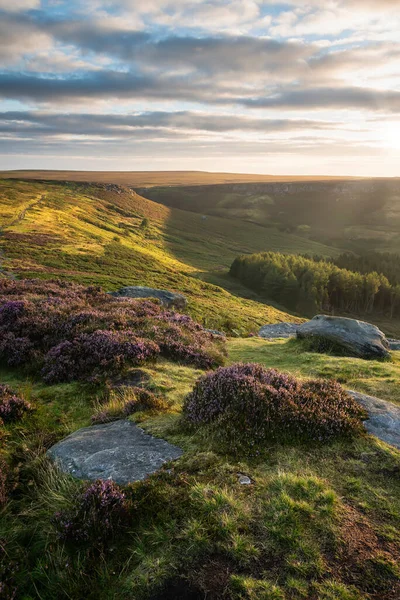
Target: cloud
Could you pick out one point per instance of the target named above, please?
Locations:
(18, 5)
(36, 123)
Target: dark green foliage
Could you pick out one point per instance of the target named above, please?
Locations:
(385, 263)
(316, 285)
(249, 405)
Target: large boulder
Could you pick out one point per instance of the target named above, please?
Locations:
(121, 451)
(167, 298)
(356, 338)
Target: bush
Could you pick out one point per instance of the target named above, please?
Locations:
(249, 405)
(12, 408)
(98, 515)
(73, 332)
(101, 353)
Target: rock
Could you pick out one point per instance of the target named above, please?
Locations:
(120, 451)
(394, 344)
(215, 332)
(357, 338)
(168, 299)
(278, 330)
(244, 479)
(384, 417)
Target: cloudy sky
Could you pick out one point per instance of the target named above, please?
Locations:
(258, 86)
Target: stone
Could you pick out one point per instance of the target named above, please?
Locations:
(356, 338)
(394, 344)
(244, 479)
(216, 332)
(167, 298)
(120, 451)
(383, 417)
(278, 330)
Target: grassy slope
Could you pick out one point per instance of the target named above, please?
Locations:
(93, 234)
(319, 523)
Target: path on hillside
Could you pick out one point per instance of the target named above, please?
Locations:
(384, 416)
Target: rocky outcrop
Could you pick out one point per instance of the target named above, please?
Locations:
(356, 338)
(167, 298)
(120, 451)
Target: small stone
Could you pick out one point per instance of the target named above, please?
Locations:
(244, 480)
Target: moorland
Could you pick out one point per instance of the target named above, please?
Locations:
(320, 518)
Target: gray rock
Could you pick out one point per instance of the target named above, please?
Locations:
(168, 299)
(394, 344)
(244, 479)
(120, 451)
(278, 330)
(357, 338)
(384, 418)
(215, 332)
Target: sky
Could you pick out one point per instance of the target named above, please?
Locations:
(298, 87)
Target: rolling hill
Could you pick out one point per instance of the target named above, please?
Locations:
(109, 235)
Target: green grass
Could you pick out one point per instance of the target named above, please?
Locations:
(299, 531)
(377, 378)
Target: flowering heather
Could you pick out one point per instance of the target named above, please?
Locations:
(12, 408)
(73, 332)
(254, 404)
(99, 513)
(97, 353)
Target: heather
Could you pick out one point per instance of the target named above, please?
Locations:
(12, 407)
(97, 515)
(249, 405)
(69, 332)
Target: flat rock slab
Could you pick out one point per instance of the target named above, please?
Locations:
(278, 330)
(384, 418)
(120, 451)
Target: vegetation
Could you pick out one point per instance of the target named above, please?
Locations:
(92, 234)
(311, 285)
(72, 332)
(384, 263)
(250, 406)
(319, 518)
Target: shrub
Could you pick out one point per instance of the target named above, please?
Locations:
(100, 353)
(99, 513)
(249, 404)
(12, 408)
(8, 569)
(46, 324)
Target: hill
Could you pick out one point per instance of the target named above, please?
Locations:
(109, 235)
(156, 178)
(353, 215)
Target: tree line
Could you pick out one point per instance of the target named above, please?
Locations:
(309, 285)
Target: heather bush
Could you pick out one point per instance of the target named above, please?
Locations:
(249, 405)
(96, 354)
(12, 408)
(98, 515)
(73, 332)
